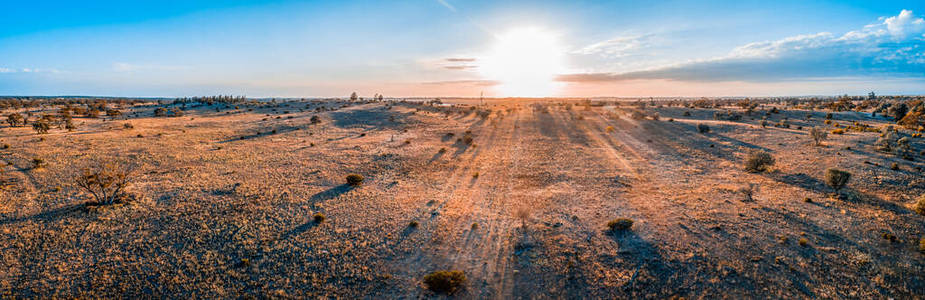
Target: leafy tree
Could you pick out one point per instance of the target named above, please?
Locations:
(353, 96)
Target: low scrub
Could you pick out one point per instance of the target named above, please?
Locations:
(819, 135)
(354, 179)
(620, 224)
(703, 128)
(837, 179)
(920, 205)
(445, 282)
(758, 161)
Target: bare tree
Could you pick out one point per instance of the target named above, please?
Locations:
(106, 182)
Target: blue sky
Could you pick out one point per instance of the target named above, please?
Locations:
(453, 48)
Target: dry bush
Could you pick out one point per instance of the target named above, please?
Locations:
(318, 217)
(38, 163)
(620, 224)
(15, 120)
(160, 112)
(447, 282)
(922, 245)
(41, 126)
(749, 191)
(703, 128)
(837, 179)
(523, 213)
(106, 182)
(354, 179)
(636, 115)
(920, 205)
(819, 135)
(758, 161)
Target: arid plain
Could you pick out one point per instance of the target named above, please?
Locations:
(250, 199)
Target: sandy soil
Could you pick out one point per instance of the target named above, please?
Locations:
(225, 199)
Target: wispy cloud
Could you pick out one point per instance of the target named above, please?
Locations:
(893, 47)
(128, 67)
(455, 59)
(29, 70)
(616, 47)
(447, 5)
(462, 67)
(463, 82)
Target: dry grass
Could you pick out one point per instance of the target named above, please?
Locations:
(221, 212)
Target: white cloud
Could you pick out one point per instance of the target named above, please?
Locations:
(893, 47)
(615, 47)
(7, 70)
(904, 23)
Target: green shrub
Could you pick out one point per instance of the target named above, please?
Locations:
(758, 161)
(354, 179)
(620, 224)
(837, 179)
(447, 282)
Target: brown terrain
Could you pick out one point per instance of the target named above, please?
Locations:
(223, 202)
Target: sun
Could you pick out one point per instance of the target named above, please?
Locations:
(525, 62)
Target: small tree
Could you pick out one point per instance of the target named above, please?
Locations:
(106, 182)
(41, 126)
(837, 179)
(160, 112)
(15, 120)
(819, 135)
(353, 96)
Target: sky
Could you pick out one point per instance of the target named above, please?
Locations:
(434, 48)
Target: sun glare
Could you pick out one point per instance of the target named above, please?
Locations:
(525, 62)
